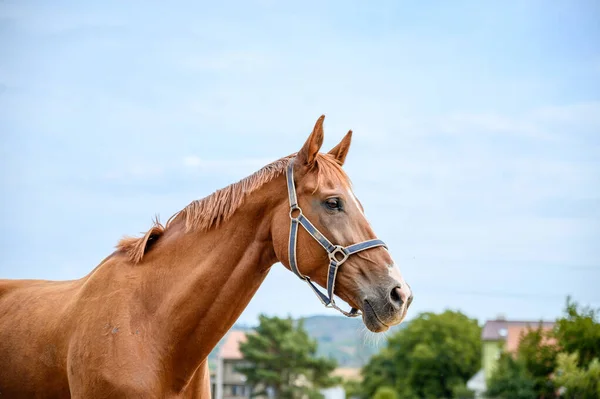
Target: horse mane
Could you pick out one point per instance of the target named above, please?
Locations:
(136, 247)
(218, 207)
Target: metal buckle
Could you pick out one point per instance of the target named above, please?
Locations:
(338, 249)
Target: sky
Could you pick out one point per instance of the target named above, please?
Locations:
(476, 147)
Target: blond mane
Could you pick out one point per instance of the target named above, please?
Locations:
(218, 207)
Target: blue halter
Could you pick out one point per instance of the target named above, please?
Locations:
(337, 253)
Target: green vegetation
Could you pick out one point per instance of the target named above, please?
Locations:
(462, 392)
(280, 355)
(564, 360)
(578, 382)
(538, 358)
(579, 331)
(385, 393)
(511, 380)
(431, 358)
(338, 338)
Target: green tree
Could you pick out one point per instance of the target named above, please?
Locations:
(538, 352)
(462, 392)
(510, 380)
(352, 388)
(280, 355)
(429, 358)
(385, 393)
(578, 382)
(536, 360)
(380, 371)
(579, 331)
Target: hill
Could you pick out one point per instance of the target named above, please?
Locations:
(344, 339)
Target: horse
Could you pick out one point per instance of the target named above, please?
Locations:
(142, 323)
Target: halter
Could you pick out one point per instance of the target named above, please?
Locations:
(337, 253)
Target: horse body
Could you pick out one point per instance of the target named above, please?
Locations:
(144, 321)
(129, 330)
(34, 317)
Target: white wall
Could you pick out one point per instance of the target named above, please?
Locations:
(334, 393)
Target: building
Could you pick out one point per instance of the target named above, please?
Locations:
(348, 373)
(227, 383)
(497, 336)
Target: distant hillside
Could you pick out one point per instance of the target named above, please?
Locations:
(344, 339)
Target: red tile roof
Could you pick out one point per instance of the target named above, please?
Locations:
(231, 346)
(514, 336)
(495, 330)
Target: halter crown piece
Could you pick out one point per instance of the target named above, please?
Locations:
(337, 253)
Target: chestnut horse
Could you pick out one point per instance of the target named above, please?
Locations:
(142, 323)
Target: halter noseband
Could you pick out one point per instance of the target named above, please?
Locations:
(337, 253)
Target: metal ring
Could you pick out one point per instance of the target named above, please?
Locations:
(293, 209)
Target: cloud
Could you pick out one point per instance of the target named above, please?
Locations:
(237, 166)
(192, 161)
(227, 62)
(143, 171)
(488, 123)
(152, 174)
(542, 123)
(42, 19)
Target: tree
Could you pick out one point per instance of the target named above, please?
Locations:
(429, 358)
(281, 356)
(510, 380)
(579, 331)
(385, 393)
(462, 392)
(380, 371)
(536, 362)
(578, 383)
(537, 351)
(578, 366)
(352, 388)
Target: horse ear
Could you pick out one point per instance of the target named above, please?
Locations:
(340, 151)
(308, 153)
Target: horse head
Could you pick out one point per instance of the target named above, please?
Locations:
(321, 233)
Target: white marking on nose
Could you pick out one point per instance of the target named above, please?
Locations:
(355, 200)
(395, 274)
(405, 291)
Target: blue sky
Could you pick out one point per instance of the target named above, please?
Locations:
(476, 150)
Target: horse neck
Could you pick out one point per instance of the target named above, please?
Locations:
(202, 281)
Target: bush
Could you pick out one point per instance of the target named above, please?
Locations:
(578, 382)
(385, 393)
(510, 380)
(427, 359)
(462, 392)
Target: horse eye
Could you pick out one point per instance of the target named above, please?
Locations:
(333, 203)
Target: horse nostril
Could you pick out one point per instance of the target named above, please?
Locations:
(395, 297)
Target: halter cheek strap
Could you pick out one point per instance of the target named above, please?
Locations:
(337, 253)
